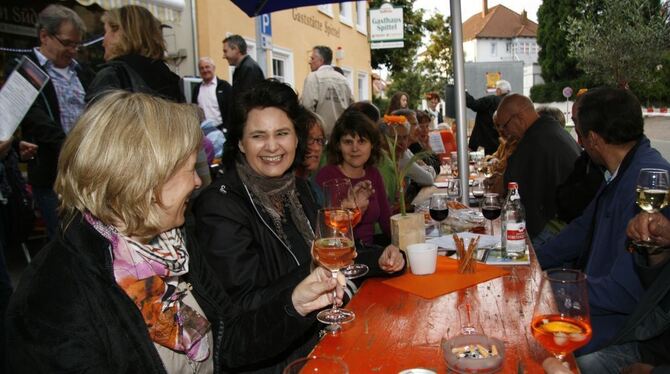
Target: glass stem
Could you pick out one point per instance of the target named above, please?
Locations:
(491, 227)
(334, 307)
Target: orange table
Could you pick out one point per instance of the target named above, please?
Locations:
(395, 330)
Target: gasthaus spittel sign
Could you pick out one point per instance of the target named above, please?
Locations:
(386, 27)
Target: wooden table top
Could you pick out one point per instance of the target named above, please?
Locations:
(395, 330)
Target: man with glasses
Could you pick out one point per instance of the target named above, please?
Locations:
(543, 158)
(57, 108)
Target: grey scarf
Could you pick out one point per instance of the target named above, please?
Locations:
(274, 195)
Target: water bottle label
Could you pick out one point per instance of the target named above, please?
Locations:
(515, 235)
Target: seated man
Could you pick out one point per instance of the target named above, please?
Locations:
(644, 341)
(543, 158)
(610, 128)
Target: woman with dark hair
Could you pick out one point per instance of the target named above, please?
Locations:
(134, 52)
(399, 100)
(255, 223)
(353, 151)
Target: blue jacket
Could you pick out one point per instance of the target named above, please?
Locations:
(598, 236)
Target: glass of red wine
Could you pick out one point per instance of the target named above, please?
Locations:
(491, 208)
(333, 248)
(339, 194)
(439, 209)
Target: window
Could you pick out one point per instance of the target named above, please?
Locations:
(363, 86)
(350, 79)
(326, 9)
(282, 65)
(361, 17)
(345, 13)
(493, 48)
(508, 47)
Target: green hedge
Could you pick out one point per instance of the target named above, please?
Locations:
(553, 91)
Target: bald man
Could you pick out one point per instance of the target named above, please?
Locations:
(213, 95)
(543, 159)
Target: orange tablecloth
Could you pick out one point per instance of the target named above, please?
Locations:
(445, 279)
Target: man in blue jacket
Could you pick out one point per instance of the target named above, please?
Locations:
(610, 128)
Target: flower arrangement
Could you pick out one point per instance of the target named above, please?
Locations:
(399, 172)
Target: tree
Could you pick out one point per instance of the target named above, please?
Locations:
(619, 41)
(396, 59)
(437, 61)
(554, 57)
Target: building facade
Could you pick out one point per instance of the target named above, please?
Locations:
(343, 27)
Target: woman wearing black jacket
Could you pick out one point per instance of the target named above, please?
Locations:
(123, 288)
(254, 224)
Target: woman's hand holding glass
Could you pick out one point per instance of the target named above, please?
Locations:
(317, 291)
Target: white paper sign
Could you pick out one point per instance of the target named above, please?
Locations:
(436, 144)
(18, 94)
(386, 27)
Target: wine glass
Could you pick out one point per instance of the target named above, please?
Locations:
(454, 188)
(333, 248)
(338, 193)
(439, 209)
(491, 208)
(561, 321)
(314, 364)
(478, 189)
(652, 196)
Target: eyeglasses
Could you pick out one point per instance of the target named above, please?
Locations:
(67, 43)
(313, 141)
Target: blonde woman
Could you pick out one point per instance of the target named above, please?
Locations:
(123, 288)
(134, 52)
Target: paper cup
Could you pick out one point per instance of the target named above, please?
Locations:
(422, 258)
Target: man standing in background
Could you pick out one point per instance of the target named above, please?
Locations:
(247, 72)
(213, 95)
(484, 134)
(325, 92)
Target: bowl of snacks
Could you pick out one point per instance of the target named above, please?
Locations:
(473, 353)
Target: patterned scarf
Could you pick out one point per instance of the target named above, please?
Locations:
(149, 274)
(274, 194)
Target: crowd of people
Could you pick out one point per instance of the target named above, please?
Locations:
(157, 264)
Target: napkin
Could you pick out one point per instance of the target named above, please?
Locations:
(447, 241)
(445, 279)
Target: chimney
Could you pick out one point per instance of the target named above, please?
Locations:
(524, 17)
(485, 8)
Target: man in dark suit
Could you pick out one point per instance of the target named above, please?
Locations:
(58, 106)
(247, 72)
(213, 95)
(484, 133)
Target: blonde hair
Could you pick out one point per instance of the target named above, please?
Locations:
(121, 152)
(140, 32)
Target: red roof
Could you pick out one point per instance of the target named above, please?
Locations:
(499, 22)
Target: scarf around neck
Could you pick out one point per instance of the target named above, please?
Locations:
(275, 195)
(149, 274)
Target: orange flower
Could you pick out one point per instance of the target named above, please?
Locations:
(395, 120)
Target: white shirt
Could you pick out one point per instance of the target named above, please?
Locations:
(207, 101)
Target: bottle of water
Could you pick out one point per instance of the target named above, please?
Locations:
(513, 223)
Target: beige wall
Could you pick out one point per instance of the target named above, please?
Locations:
(293, 30)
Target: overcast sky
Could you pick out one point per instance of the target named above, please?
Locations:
(470, 7)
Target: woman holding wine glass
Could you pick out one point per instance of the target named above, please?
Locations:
(256, 223)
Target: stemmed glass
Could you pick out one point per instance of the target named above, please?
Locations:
(454, 188)
(491, 208)
(439, 209)
(478, 189)
(338, 193)
(334, 249)
(561, 321)
(652, 196)
(316, 364)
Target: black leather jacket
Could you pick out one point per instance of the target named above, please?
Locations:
(69, 315)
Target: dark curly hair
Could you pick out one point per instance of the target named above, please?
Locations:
(353, 122)
(266, 94)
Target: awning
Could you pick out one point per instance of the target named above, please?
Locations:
(164, 10)
(255, 7)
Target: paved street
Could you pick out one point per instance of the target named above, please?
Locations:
(658, 130)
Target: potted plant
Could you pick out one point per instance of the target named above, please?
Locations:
(406, 228)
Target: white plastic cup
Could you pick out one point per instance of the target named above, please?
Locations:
(422, 258)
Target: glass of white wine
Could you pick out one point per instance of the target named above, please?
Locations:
(652, 196)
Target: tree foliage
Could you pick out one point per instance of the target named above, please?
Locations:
(400, 58)
(554, 57)
(437, 61)
(619, 41)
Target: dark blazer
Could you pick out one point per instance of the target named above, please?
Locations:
(42, 126)
(69, 315)
(246, 75)
(484, 133)
(224, 96)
